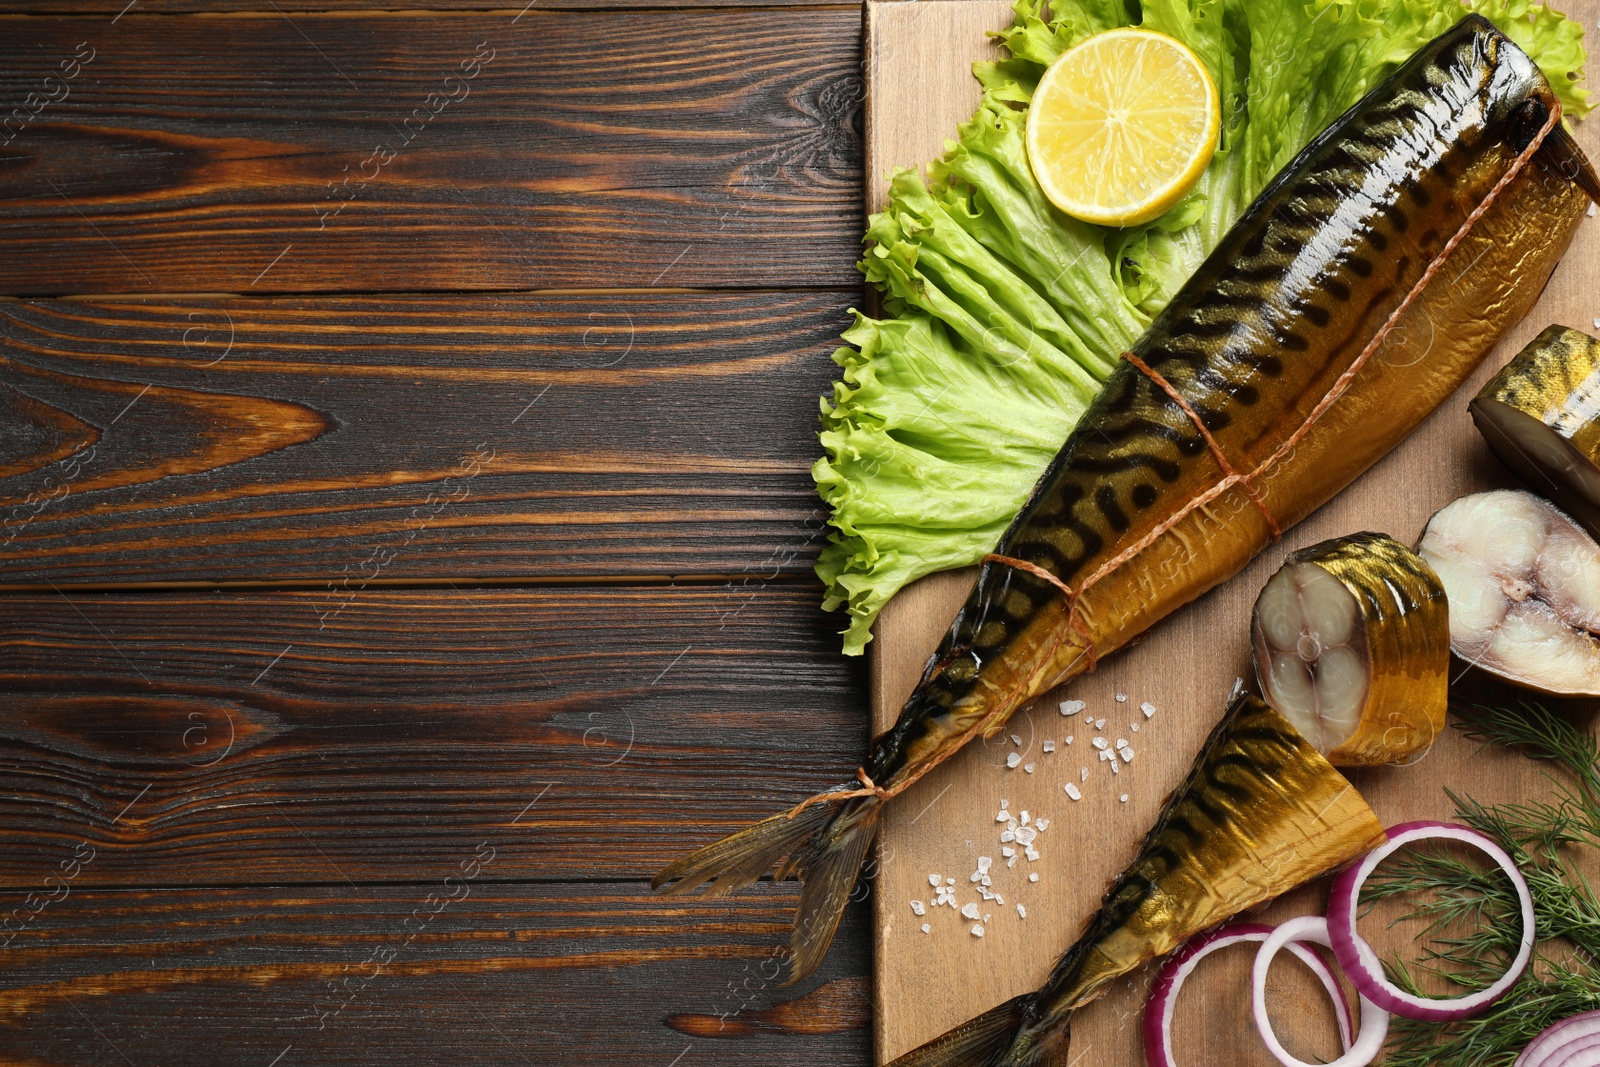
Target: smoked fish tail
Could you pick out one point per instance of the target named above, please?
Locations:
(823, 841)
(1260, 812)
(1354, 295)
(1000, 1037)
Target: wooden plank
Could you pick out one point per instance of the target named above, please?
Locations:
(282, 737)
(402, 152)
(928, 983)
(353, 441)
(443, 8)
(502, 974)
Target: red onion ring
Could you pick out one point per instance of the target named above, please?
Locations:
(1565, 1043)
(1361, 964)
(1158, 1010)
(1374, 1020)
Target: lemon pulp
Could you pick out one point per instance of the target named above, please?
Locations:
(1121, 126)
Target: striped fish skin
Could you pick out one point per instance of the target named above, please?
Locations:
(1553, 381)
(1260, 812)
(1404, 623)
(1284, 306)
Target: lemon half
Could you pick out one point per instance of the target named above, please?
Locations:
(1122, 125)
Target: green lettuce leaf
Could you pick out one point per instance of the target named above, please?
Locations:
(1002, 317)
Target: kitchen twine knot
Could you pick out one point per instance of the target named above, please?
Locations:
(1002, 708)
(869, 789)
(1230, 476)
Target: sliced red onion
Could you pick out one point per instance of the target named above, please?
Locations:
(1374, 1020)
(1565, 1043)
(1582, 1052)
(1361, 964)
(1158, 1010)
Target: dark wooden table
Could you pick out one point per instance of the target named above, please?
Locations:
(406, 529)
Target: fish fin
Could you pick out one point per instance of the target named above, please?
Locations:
(829, 875)
(1000, 1037)
(823, 843)
(1560, 155)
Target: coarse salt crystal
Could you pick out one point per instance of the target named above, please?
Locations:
(1032, 855)
(1034, 877)
(1015, 740)
(1003, 804)
(1122, 698)
(1069, 739)
(1122, 742)
(1099, 724)
(1105, 754)
(927, 927)
(985, 880)
(985, 894)
(1115, 766)
(1123, 798)
(1072, 707)
(949, 881)
(1048, 746)
(1022, 913)
(1013, 759)
(1072, 791)
(1003, 816)
(1026, 835)
(1029, 768)
(1101, 743)
(1148, 708)
(977, 930)
(1134, 727)
(984, 863)
(1591, 211)
(934, 880)
(1011, 861)
(1084, 777)
(986, 916)
(1126, 754)
(1024, 817)
(998, 899)
(975, 876)
(917, 908)
(1041, 825)
(1007, 836)
(969, 910)
(1008, 851)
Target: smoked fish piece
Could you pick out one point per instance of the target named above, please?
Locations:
(1352, 646)
(1260, 812)
(1541, 416)
(1356, 293)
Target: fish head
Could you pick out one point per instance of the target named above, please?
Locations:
(1513, 90)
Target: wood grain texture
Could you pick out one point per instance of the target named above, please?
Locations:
(514, 975)
(237, 738)
(927, 983)
(370, 440)
(439, 8)
(339, 153)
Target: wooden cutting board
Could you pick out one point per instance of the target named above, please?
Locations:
(919, 86)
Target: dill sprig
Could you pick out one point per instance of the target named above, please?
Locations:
(1540, 733)
(1453, 894)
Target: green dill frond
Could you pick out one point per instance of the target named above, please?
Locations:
(1450, 894)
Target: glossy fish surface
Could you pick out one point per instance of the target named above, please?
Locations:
(1354, 295)
(1541, 416)
(1260, 812)
(1383, 657)
(1305, 282)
